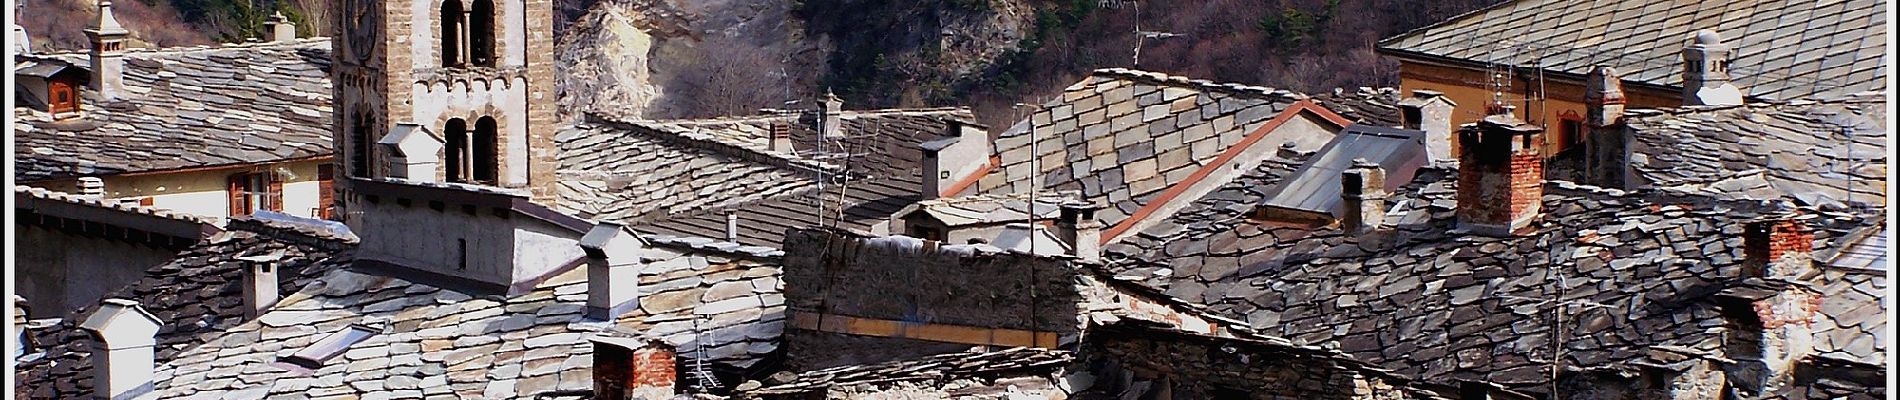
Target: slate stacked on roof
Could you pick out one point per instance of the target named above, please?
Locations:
(937, 371)
(1783, 50)
(1796, 149)
(1121, 137)
(196, 296)
(1429, 301)
(626, 170)
(185, 108)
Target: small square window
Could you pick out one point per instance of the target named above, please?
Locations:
(312, 357)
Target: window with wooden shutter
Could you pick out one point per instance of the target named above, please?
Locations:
(274, 192)
(234, 193)
(326, 190)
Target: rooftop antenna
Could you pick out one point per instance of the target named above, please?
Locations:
(1141, 36)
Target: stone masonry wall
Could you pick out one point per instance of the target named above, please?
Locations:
(1198, 369)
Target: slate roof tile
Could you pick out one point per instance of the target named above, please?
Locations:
(187, 107)
(1768, 150)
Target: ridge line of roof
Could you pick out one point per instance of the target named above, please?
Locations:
(713, 145)
(1162, 78)
(1382, 43)
(299, 42)
(69, 198)
(1853, 98)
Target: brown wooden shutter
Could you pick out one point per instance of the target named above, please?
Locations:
(275, 192)
(234, 190)
(326, 178)
(145, 201)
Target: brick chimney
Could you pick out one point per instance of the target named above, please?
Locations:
(92, 187)
(1605, 148)
(954, 158)
(613, 270)
(1705, 79)
(1078, 226)
(831, 116)
(123, 361)
(1777, 246)
(1362, 197)
(281, 29)
(1430, 111)
(627, 369)
(108, 52)
(1500, 175)
(260, 282)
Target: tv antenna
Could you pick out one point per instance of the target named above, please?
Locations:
(1141, 36)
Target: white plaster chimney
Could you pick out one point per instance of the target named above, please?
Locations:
(1078, 226)
(412, 151)
(260, 282)
(1430, 111)
(1705, 79)
(613, 270)
(779, 137)
(19, 327)
(831, 116)
(1362, 197)
(92, 187)
(732, 226)
(281, 29)
(108, 52)
(954, 158)
(123, 363)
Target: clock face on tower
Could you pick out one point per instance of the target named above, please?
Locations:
(363, 23)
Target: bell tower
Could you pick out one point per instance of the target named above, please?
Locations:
(474, 76)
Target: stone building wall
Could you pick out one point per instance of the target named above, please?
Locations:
(1182, 367)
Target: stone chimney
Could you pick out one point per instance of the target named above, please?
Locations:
(1605, 149)
(627, 369)
(108, 52)
(412, 152)
(123, 361)
(92, 187)
(281, 30)
(1430, 111)
(954, 158)
(20, 346)
(1777, 246)
(260, 282)
(831, 116)
(1705, 79)
(1078, 226)
(613, 270)
(779, 137)
(1500, 175)
(1362, 197)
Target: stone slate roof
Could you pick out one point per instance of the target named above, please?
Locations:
(1853, 322)
(196, 295)
(630, 170)
(1431, 302)
(187, 107)
(996, 208)
(1783, 50)
(1763, 151)
(1370, 106)
(932, 371)
(1121, 137)
(868, 205)
(442, 342)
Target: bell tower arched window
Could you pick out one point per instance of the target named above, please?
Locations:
(455, 165)
(486, 151)
(481, 33)
(453, 32)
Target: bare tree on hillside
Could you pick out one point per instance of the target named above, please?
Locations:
(735, 78)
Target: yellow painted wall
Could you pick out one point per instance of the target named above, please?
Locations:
(202, 192)
(1467, 88)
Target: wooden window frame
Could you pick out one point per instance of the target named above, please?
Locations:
(249, 192)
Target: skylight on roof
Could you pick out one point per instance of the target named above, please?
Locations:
(329, 347)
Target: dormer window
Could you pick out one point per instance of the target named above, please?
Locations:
(329, 347)
(62, 96)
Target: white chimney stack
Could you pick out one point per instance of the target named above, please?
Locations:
(281, 29)
(260, 282)
(1078, 226)
(108, 52)
(1705, 79)
(952, 159)
(1430, 111)
(830, 116)
(412, 151)
(123, 362)
(613, 270)
(1362, 197)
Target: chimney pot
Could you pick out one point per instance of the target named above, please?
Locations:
(779, 137)
(1430, 111)
(124, 362)
(260, 282)
(732, 226)
(965, 150)
(20, 346)
(613, 268)
(830, 116)
(626, 369)
(1362, 197)
(1777, 246)
(1077, 225)
(1500, 175)
(1705, 78)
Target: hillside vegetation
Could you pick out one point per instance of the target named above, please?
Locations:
(700, 58)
